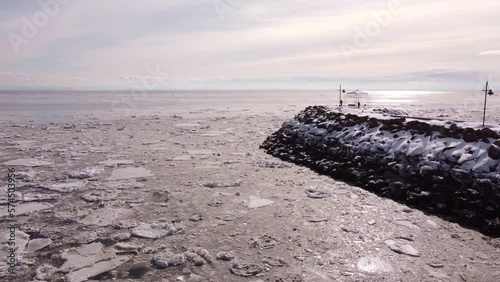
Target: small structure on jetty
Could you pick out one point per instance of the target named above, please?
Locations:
(355, 97)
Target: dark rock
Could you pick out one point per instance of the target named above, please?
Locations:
(373, 122)
(494, 152)
(488, 133)
(469, 135)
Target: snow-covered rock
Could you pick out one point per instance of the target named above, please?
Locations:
(434, 164)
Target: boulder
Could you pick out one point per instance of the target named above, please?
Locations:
(414, 124)
(373, 122)
(469, 135)
(494, 151)
(423, 127)
(488, 133)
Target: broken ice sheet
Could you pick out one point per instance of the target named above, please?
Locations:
(100, 195)
(27, 208)
(37, 244)
(85, 173)
(67, 187)
(113, 163)
(27, 162)
(256, 202)
(199, 152)
(21, 242)
(106, 216)
(101, 267)
(32, 197)
(187, 125)
(124, 184)
(402, 248)
(129, 173)
(156, 230)
(373, 265)
(83, 256)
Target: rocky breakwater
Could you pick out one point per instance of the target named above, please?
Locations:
(440, 168)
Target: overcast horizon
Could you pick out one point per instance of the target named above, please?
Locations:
(249, 45)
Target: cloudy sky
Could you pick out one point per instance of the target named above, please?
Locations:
(249, 44)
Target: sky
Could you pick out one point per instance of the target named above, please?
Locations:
(249, 44)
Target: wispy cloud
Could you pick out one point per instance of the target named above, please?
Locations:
(490, 53)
